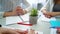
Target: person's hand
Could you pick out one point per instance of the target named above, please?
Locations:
(58, 31)
(47, 14)
(11, 31)
(31, 31)
(19, 11)
(15, 12)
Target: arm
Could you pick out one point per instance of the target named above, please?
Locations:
(17, 11)
(6, 14)
(55, 13)
(50, 14)
(9, 14)
(11, 31)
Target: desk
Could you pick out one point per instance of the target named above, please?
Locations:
(42, 26)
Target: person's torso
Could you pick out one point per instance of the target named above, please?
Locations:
(8, 5)
(56, 8)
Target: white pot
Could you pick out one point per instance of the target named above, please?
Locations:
(33, 19)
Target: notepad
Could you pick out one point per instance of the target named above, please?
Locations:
(12, 20)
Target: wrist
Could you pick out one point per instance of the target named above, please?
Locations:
(6, 14)
(57, 13)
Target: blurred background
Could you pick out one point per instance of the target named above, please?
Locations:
(6, 6)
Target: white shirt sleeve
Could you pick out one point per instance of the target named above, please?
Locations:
(29, 8)
(49, 5)
(1, 14)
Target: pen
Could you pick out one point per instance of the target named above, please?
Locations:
(20, 23)
(21, 18)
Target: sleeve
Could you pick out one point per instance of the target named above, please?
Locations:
(29, 8)
(1, 14)
(49, 5)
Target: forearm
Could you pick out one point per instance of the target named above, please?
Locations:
(9, 14)
(56, 13)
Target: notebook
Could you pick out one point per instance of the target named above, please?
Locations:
(12, 20)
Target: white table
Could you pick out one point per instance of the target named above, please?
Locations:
(42, 26)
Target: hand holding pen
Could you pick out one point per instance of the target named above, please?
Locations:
(20, 11)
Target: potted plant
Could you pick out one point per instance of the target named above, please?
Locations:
(33, 16)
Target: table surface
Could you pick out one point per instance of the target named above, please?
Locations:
(42, 26)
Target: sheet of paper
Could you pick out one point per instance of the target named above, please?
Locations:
(43, 18)
(25, 17)
(12, 19)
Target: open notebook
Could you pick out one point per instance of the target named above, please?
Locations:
(12, 20)
(16, 19)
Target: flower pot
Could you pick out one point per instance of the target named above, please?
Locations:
(33, 19)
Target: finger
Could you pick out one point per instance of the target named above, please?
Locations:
(21, 31)
(20, 11)
(44, 11)
(32, 31)
(18, 7)
(48, 16)
(18, 30)
(10, 32)
(37, 33)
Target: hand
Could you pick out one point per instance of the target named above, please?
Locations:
(48, 14)
(11, 31)
(15, 12)
(31, 31)
(19, 11)
(58, 31)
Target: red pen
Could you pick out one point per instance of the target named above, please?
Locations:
(21, 23)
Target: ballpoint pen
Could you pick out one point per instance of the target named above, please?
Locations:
(21, 18)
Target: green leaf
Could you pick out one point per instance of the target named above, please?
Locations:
(34, 12)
